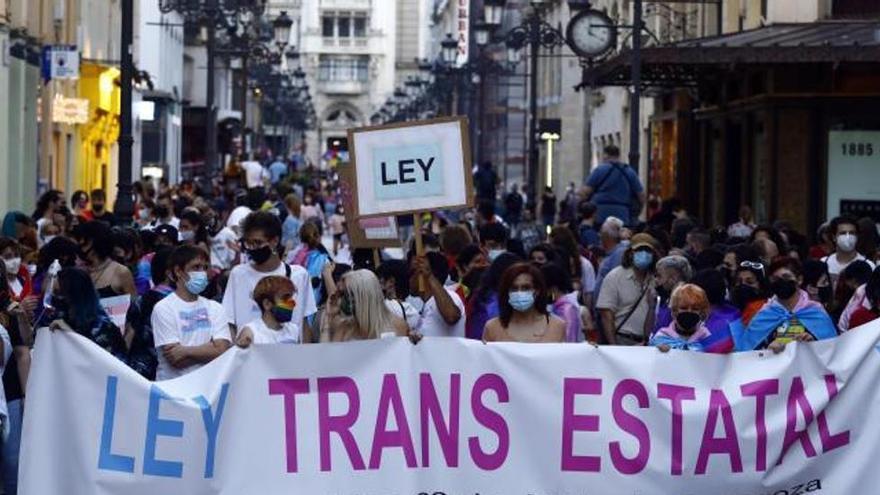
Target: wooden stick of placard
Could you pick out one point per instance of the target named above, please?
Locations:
(420, 247)
(377, 259)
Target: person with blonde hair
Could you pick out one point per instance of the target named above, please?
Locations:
(688, 331)
(357, 311)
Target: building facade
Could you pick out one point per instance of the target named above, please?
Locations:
(349, 54)
(777, 112)
(158, 115)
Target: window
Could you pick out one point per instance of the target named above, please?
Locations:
(336, 69)
(328, 26)
(343, 26)
(360, 27)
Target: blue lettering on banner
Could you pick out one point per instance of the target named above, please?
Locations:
(212, 426)
(106, 459)
(406, 172)
(160, 427)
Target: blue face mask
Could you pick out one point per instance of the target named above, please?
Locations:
(522, 300)
(197, 283)
(642, 259)
(495, 253)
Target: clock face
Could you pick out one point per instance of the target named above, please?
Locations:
(591, 33)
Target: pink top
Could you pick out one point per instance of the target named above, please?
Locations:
(858, 300)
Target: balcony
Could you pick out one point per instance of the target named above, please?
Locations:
(348, 88)
(353, 45)
(346, 4)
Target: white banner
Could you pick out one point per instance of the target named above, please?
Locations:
(457, 417)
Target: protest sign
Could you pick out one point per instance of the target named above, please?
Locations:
(369, 233)
(457, 417)
(117, 309)
(411, 167)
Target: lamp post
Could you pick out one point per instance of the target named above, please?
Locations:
(124, 207)
(537, 34)
(213, 15)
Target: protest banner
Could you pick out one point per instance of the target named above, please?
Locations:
(457, 417)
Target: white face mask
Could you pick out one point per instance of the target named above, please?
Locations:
(13, 266)
(186, 235)
(847, 242)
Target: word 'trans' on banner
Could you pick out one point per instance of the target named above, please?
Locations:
(457, 417)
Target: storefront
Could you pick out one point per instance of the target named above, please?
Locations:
(97, 157)
(766, 105)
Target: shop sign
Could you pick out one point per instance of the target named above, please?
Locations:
(70, 110)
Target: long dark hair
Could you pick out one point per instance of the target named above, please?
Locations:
(84, 307)
(563, 239)
(505, 312)
(492, 276)
(48, 197)
(196, 219)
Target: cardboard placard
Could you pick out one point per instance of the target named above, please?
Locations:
(411, 167)
(372, 233)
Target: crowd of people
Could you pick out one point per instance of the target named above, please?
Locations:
(244, 262)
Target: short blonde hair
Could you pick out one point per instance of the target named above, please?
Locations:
(689, 295)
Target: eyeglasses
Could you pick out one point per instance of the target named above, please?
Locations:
(753, 265)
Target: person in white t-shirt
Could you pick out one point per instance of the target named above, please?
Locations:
(443, 314)
(846, 237)
(262, 237)
(188, 330)
(274, 295)
(255, 174)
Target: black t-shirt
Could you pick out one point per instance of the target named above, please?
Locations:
(11, 380)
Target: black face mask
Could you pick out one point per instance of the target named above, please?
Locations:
(687, 320)
(161, 212)
(742, 295)
(261, 255)
(825, 293)
(783, 289)
(97, 207)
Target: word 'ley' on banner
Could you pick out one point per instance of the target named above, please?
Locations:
(411, 167)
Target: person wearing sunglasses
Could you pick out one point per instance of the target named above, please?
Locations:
(789, 316)
(750, 291)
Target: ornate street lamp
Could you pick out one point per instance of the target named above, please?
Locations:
(449, 49)
(281, 29)
(493, 11)
(482, 32)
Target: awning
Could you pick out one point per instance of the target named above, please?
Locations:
(688, 62)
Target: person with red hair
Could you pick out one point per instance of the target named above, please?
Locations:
(523, 316)
(688, 331)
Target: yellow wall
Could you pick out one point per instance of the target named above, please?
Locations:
(97, 139)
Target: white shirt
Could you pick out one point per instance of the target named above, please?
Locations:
(254, 174)
(432, 323)
(289, 333)
(221, 254)
(835, 267)
(588, 276)
(404, 311)
(189, 324)
(238, 299)
(236, 216)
